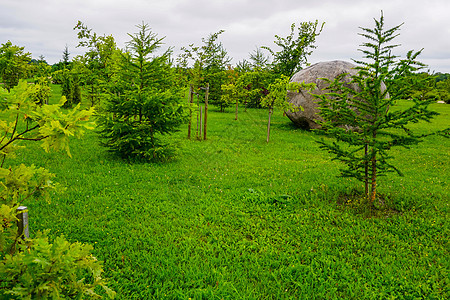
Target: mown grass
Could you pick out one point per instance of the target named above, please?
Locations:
(236, 218)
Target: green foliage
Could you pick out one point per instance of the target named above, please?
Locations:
(255, 82)
(295, 48)
(427, 87)
(14, 64)
(362, 119)
(41, 70)
(57, 270)
(230, 94)
(36, 268)
(70, 87)
(143, 103)
(443, 90)
(42, 91)
(276, 96)
(97, 66)
(258, 60)
(66, 57)
(209, 65)
(248, 88)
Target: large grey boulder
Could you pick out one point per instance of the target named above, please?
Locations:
(308, 118)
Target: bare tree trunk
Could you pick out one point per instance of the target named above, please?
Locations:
(268, 125)
(206, 111)
(200, 123)
(191, 100)
(373, 192)
(366, 171)
(237, 103)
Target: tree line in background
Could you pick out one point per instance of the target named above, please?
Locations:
(153, 85)
(105, 76)
(197, 64)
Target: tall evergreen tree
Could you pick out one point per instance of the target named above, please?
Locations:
(66, 57)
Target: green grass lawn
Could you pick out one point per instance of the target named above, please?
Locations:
(236, 218)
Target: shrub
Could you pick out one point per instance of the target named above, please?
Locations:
(37, 268)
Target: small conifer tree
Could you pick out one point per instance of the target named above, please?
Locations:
(367, 110)
(144, 103)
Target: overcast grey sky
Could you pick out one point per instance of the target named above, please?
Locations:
(44, 27)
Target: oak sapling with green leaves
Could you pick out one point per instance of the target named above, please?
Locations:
(28, 268)
(295, 48)
(231, 93)
(276, 96)
(380, 82)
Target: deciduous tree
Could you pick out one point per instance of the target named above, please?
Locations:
(38, 268)
(207, 64)
(295, 48)
(14, 64)
(97, 64)
(276, 96)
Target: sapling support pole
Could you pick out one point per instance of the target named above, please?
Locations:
(268, 125)
(236, 114)
(22, 223)
(191, 100)
(198, 112)
(200, 130)
(205, 122)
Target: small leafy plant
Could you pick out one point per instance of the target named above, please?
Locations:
(36, 267)
(276, 96)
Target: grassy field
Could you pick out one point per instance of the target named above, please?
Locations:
(236, 218)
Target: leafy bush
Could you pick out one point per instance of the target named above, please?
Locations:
(37, 268)
(40, 269)
(42, 91)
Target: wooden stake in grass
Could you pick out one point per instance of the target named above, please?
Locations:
(191, 101)
(22, 222)
(237, 104)
(200, 108)
(206, 111)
